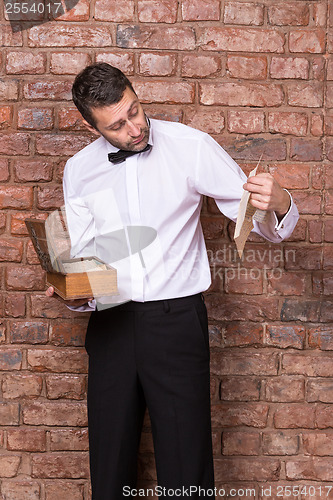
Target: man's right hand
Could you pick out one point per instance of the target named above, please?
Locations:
(72, 303)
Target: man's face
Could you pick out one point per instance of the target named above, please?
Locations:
(123, 124)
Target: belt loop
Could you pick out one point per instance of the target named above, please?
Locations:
(166, 306)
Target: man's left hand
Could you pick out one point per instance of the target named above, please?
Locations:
(267, 194)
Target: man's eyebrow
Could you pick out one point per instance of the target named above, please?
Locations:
(121, 120)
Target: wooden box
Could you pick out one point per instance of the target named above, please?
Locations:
(80, 278)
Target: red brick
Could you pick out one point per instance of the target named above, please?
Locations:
(68, 63)
(11, 250)
(54, 413)
(317, 177)
(20, 490)
(58, 489)
(65, 386)
(149, 37)
(15, 305)
(254, 469)
(60, 35)
(243, 13)
(61, 144)
(289, 14)
(247, 67)
(21, 385)
(308, 95)
(20, 63)
(285, 389)
(4, 170)
(237, 363)
(10, 359)
(308, 202)
(48, 307)
(9, 465)
(294, 416)
(280, 443)
(246, 122)
(289, 67)
(301, 310)
(32, 170)
(291, 175)
(329, 124)
(241, 40)
(329, 150)
(165, 11)
(288, 123)
(239, 94)
(120, 11)
(244, 281)
(9, 38)
(316, 469)
(35, 118)
(49, 197)
(6, 117)
(320, 14)
(324, 416)
(318, 68)
(78, 11)
(25, 278)
(302, 149)
(310, 365)
(29, 332)
(240, 389)
(322, 284)
(249, 414)
(8, 90)
(284, 336)
(60, 465)
(69, 440)
(17, 225)
(123, 61)
(212, 227)
(280, 282)
(328, 231)
(240, 443)
(317, 125)
(156, 64)
(321, 337)
(57, 360)
(310, 41)
(68, 333)
(161, 92)
(330, 69)
(57, 90)
(200, 10)
(70, 119)
(9, 415)
(14, 144)
(318, 443)
(233, 308)
(210, 121)
(242, 334)
(320, 390)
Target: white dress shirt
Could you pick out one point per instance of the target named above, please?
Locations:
(142, 216)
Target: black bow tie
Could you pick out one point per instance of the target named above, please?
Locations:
(121, 155)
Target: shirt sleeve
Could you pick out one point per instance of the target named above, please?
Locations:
(217, 175)
(81, 228)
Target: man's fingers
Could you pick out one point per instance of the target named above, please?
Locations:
(50, 291)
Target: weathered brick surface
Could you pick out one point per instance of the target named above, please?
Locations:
(258, 77)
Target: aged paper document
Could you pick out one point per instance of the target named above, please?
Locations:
(246, 214)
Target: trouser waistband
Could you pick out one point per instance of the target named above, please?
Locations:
(165, 304)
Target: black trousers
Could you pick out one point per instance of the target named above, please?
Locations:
(153, 354)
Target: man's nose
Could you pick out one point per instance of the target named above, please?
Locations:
(133, 129)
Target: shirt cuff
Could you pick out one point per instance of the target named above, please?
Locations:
(282, 227)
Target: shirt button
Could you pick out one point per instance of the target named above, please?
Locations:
(282, 226)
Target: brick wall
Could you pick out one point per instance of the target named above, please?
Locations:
(258, 76)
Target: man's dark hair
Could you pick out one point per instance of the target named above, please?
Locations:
(96, 86)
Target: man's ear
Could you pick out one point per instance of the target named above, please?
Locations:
(90, 127)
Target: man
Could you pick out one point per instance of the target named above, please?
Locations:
(152, 348)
